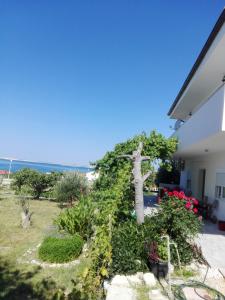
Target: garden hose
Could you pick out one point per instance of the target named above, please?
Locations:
(178, 289)
(179, 294)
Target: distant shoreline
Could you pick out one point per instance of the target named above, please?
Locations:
(40, 166)
(42, 162)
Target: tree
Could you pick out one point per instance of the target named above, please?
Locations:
(36, 182)
(155, 150)
(71, 187)
(21, 178)
(25, 214)
(139, 180)
(39, 182)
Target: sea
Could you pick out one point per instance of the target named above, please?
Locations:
(40, 166)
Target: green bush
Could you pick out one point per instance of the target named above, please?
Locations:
(128, 251)
(179, 222)
(60, 250)
(78, 219)
(71, 187)
(32, 182)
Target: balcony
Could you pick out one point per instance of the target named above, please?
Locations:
(204, 131)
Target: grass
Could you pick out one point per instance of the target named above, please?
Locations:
(15, 241)
(142, 292)
(185, 273)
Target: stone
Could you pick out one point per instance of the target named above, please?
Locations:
(171, 268)
(120, 280)
(106, 285)
(156, 295)
(33, 261)
(149, 279)
(134, 279)
(120, 293)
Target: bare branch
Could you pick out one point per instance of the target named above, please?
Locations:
(140, 148)
(145, 177)
(145, 158)
(125, 156)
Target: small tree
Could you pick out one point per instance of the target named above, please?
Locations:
(25, 214)
(33, 181)
(39, 182)
(21, 178)
(71, 187)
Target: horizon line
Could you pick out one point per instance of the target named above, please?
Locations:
(44, 162)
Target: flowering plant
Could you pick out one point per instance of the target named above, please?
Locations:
(190, 203)
(178, 218)
(157, 251)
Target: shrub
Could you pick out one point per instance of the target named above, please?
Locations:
(178, 218)
(60, 250)
(28, 181)
(128, 255)
(71, 187)
(21, 178)
(78, 219)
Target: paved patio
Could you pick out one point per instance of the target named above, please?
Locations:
(212, 242)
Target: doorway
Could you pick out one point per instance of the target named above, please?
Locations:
(201, 184)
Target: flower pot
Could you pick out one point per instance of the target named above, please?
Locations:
(159, 268)
(221, 225)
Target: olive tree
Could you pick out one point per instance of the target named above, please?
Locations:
(71, 187)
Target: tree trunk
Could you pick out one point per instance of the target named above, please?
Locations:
(138, 185)
(139, 180)
(25, 219)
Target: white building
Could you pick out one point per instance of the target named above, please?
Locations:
(199, 110)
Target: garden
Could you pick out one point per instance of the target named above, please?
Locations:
(97, 231)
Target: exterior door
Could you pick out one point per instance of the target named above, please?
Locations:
(201, 184)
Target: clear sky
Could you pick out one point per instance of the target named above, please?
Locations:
(76, 77)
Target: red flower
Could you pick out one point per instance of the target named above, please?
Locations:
(188, 205)
(195, 202)
(195, 210)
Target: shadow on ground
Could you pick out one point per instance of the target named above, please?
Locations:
(17, 285)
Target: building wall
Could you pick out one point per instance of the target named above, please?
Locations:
(213, 164)
(204, 123)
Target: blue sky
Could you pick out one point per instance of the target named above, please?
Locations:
(76, 77)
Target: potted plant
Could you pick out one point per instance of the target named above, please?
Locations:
(158, 258)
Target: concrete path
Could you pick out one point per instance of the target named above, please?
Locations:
(212, 242)
(150, 205)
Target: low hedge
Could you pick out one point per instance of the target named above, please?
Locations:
(60, 250)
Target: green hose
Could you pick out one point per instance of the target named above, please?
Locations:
(179, 294)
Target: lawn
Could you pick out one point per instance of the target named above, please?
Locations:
(20, 279)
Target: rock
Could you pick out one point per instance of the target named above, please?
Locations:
(140, 275)
(134, 279)
(85, 248)
(149, 279)
(156, 295)
(120, 293)
(33, 261)
(120, 280)
(106, 285)
(171, 268)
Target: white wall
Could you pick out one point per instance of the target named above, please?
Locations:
(207, 121)
(213, 163)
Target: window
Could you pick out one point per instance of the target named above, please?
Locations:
(218, 191)
(220, 186)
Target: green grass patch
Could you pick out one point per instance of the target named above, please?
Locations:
(60, 250)
(185, 273)
(15, 241)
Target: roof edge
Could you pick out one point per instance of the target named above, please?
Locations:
(210, 40)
